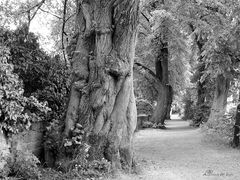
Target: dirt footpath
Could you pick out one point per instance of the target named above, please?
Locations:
(181, 153)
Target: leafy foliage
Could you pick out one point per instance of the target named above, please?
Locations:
(80, 171)
(160, 26)
(43, 77)
(48, 80)
(213, 26)
(17, 112)
(167, 28)
(77, 162)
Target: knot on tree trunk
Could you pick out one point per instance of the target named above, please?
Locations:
(117, 67)
(98, 98)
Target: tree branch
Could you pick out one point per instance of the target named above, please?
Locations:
(28, 11)
(36, 5)
(147, 69)
(63, 31)
(70, 17)
(50, 13)
(152, 80)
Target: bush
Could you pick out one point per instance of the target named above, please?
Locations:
(200, 114)
(42, 76)
(75, 161)
(147, 124)
(80, 167)
(91, 170)
(17, 112)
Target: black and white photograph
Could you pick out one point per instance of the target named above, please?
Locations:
(119, 89)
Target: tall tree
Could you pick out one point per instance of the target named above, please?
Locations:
(167, 41)
(221, 52)
(102, 99)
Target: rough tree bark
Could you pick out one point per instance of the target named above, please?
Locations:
(200, 85)
(200, 93)
(235, 142)
(220, 99)
(170, 100)
(201, 96)
(102, 98)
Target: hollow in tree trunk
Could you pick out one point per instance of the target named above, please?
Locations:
(102, 98)
(220, 99)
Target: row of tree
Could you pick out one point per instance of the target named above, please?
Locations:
(183, 48)
(194, 50)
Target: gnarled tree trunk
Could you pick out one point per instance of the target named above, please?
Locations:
(102, 98)
(220, 99)
(165, 92)
(163, 104)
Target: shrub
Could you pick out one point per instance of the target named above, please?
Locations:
(17, 112)
(44, 77)
(200, 114)
(147, 124)
(76, 161)
(80, 171)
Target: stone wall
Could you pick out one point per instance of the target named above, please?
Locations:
(4, 149)
(30, 141)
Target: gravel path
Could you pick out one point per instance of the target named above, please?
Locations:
(181, 153)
